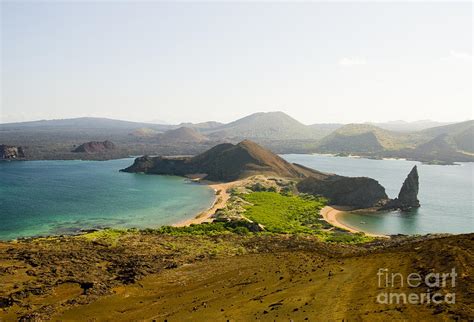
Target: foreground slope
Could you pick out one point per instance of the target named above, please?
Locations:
(227, 277)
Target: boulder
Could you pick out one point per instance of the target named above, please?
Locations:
(9, 152)
(357, 192)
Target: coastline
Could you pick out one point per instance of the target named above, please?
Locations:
(330, 215)
(221, 197)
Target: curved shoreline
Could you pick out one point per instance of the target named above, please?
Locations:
(221, 197)
(330, 215)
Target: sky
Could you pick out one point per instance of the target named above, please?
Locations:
(319, 62)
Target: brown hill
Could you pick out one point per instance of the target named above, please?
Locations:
(95, 147)
(224, 162)
(181, 135)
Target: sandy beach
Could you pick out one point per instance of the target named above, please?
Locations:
(220, 201)
(330, 215)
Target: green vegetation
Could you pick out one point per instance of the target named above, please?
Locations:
(278, 213)
(110, 236)
(205, 229)
(284, 213)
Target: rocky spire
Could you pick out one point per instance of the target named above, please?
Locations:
(408, 196)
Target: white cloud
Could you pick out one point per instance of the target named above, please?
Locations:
(460, 56)
(352, 61)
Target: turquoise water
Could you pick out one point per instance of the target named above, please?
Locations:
(60, 197)
(446, 194)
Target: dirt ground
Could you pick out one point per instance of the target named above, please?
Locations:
(267, 278)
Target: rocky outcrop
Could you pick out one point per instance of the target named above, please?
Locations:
(408, 196)
(359, 192)
(9, 152)
(363, 192)
(95, 147)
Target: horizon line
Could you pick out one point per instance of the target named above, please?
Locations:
(182, 122)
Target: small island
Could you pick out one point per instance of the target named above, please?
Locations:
(250, 163)
(94, 147)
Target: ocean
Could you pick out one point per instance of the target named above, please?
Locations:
(40, 198)
(63, 197)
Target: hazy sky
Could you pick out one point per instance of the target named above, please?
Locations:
(318, 62)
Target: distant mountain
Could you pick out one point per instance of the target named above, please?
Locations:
(321, 130)
(451, 129)
(443, 145)
(441, 149)
(81, 123)
(354, 143)
(364, 138)
(461, 135)
(403, 126)
(267, 126)
(50, 139)
(202, 125)
(465, 139)
(145, 132)
(181, 135)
